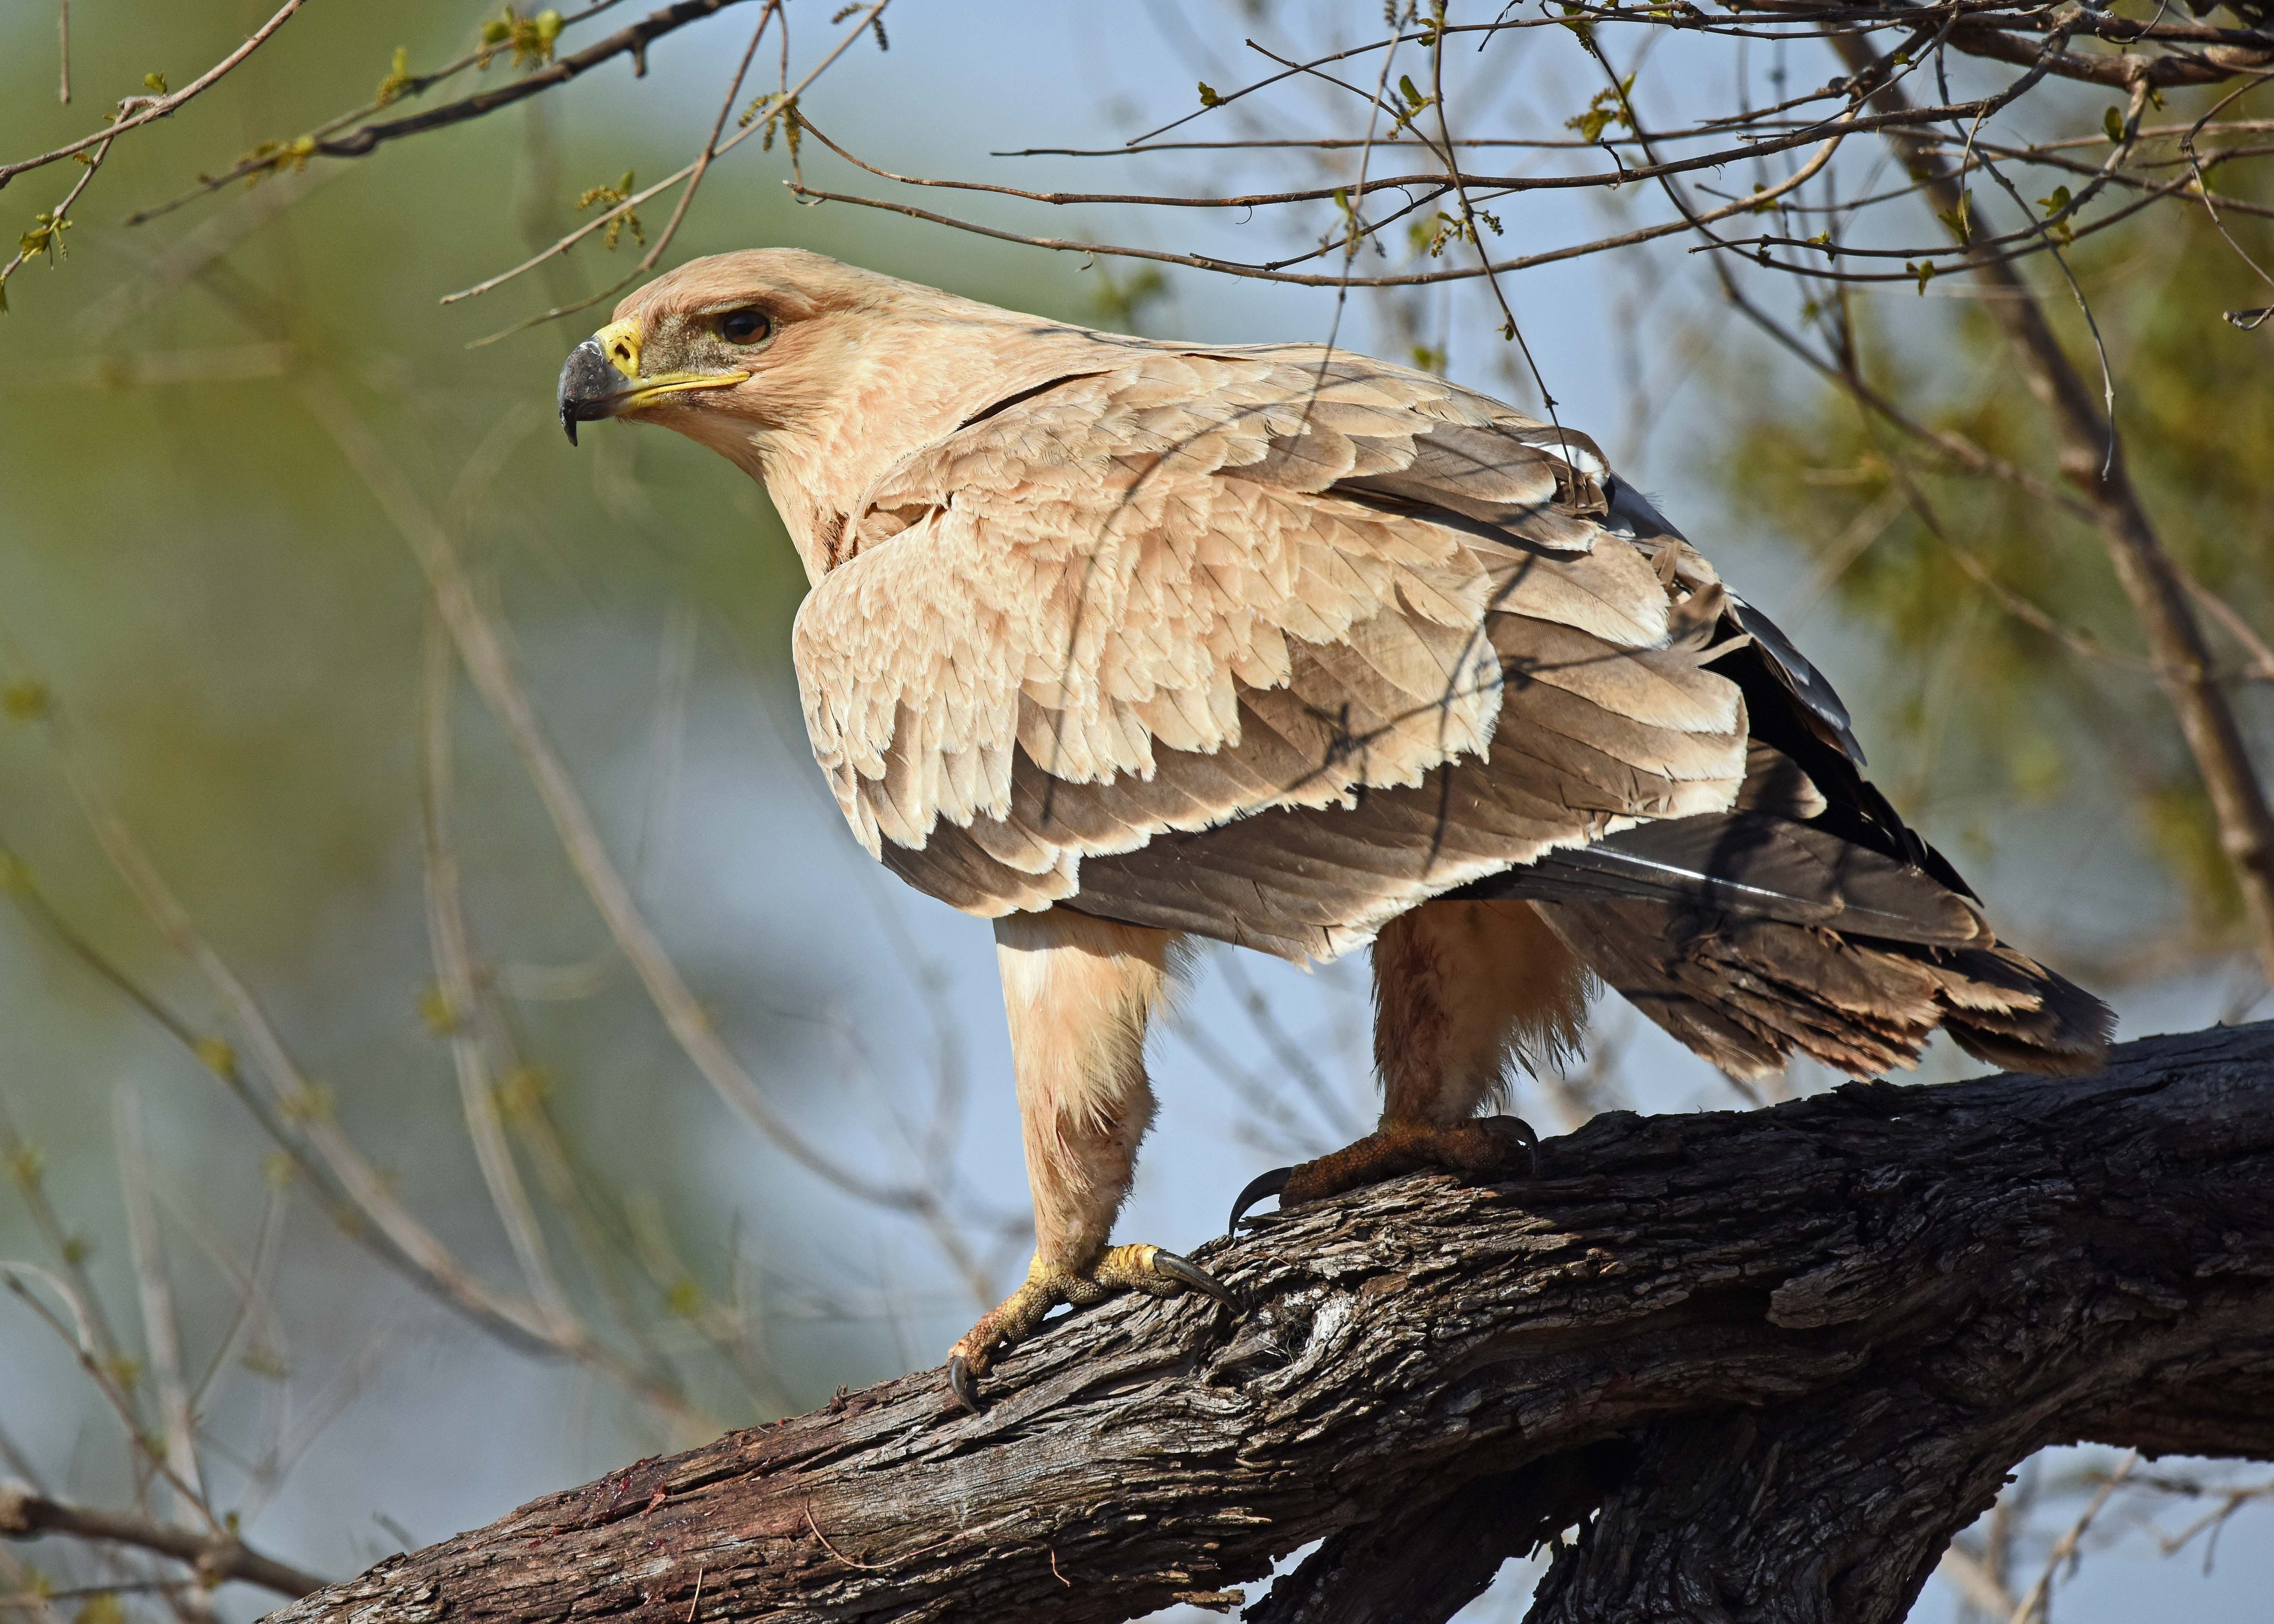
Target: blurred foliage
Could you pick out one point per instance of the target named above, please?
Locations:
(1980, 691)
(198, 588)
(195, 583)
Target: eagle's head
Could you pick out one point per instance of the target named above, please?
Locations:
(732, 348)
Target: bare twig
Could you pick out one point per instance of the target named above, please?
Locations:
(25, 1514)
(162, 1334)
(135, 111)
(784, 105)
(628, 42)
(2032, 1607)
(2175, 637)
(454, 966)
(27, 1168)
(485, 658)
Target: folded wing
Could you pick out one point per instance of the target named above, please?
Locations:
(1265, 645)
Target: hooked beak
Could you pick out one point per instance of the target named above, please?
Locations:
(601, 379)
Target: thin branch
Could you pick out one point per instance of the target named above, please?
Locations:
(484, 657)
(454, 968)
(161, 1331)
(2035, 1606)
(25, 1515)
(415, 85)
(710, 142)
(138, 111)
(27, 1168)
(630, 41)
(52, 225)
(783, 103)
(294, 1096)
(108, 1381)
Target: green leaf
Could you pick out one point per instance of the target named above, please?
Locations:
(621, 193)
(397, 79)
(2058, 201)
(46, 236)
(1208, 97)
(1608, 107)
(1414, 98)
(157, 83)
(2112, 122)
(1925, 270)
(1960, 219)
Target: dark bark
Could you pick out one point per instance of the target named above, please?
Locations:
(1767, 1362)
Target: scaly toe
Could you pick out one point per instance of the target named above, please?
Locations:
(1156, 1272)
(1479, 1148)
(1149, 1269)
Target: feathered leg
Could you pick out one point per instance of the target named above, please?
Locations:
(1079, 992)
(1464, 993)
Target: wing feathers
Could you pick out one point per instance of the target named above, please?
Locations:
(1268, 644)
(1271, 645)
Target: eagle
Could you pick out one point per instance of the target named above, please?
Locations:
(1126, 644)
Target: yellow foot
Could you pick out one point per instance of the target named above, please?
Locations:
(1482, 1146)
(1149, 1269)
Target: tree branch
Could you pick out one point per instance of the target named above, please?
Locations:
(1772, 1358)
(25, 1515)
(630, 41)
(135, 111)
(2092, 461)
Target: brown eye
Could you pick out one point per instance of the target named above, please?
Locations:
(744, 326)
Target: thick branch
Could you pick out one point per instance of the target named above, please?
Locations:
(1781, 1354)
(27, 1515)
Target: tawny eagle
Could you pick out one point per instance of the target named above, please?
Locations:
(1120, 642)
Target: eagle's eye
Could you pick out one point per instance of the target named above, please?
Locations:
(744, 326)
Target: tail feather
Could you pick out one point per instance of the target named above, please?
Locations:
(1807, 919)
(1748, 993)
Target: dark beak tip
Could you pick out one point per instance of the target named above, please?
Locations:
(587, 380)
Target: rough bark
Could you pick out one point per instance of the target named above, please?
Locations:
(2094, 464)
(1767, 1362)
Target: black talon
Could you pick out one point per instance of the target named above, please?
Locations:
(1192, 1274)
(1523, 1132)
(1258, 1187)
(960, 1383)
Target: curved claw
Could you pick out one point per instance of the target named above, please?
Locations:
(1262, 1185)
(960, 1382)
(1183, 1268)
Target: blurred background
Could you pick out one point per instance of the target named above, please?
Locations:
(340, 1118)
